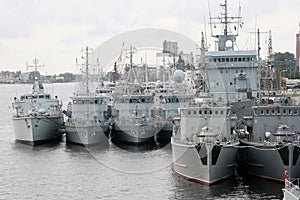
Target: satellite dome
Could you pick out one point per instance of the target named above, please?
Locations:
(178, 76)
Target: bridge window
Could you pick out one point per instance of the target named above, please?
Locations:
(261, 112)
(273, 112)
(295, 112)
(284, 111)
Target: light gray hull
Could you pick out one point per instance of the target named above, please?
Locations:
(266, 162)
(36, 130)
(131, 133)
(187, 162)
(86, 135)
(291, 191)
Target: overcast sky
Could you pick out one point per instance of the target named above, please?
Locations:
(55, 31)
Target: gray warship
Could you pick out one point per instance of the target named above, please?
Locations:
(37, 117)
(270, 131)
(87, 116)
(204, 144)
(171, 95)
(270, 139)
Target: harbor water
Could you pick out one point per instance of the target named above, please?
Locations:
(64, 171)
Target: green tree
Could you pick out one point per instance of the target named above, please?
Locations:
(286, 63)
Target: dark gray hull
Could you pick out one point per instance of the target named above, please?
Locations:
(133, 134)
(269, 161)
(208, 166)
(86, 135)
(164, 136)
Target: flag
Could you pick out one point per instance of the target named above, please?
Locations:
(286, 173)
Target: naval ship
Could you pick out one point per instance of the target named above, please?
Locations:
(137, 117)
(87, 115)
(171, 95)
(37, 117)
(270, 139)
(204, 144)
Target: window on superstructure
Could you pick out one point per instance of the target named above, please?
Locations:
(267, 112)
(278, 111)
(290, 111)
(235, 59)
(210, 112)
(227, 59)
(231, 59)
(273, 112)
(261, 112)
(223, 59)
(41, 96)
(248, 58)
(189, 112)
(219, 59)
(200, 112)
(205, 112)
(244, 59)
(284, 111)
(195, 112)
(216, 112)
(215, 60)
(222, 112)
(240, 59)
(47, 96)
(295, 112)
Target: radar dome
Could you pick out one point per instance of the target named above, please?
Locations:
(178, 76)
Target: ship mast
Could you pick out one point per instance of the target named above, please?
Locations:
(36, 86)
(228, 34)
(87, 52)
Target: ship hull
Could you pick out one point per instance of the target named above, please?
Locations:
(164, 136)
(269, 161)
(86, 135)
(206, 168)
(135, 133)
(37, 130)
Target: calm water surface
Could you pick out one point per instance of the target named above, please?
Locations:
(62, 171)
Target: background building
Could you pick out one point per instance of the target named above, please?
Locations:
(298, 48)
